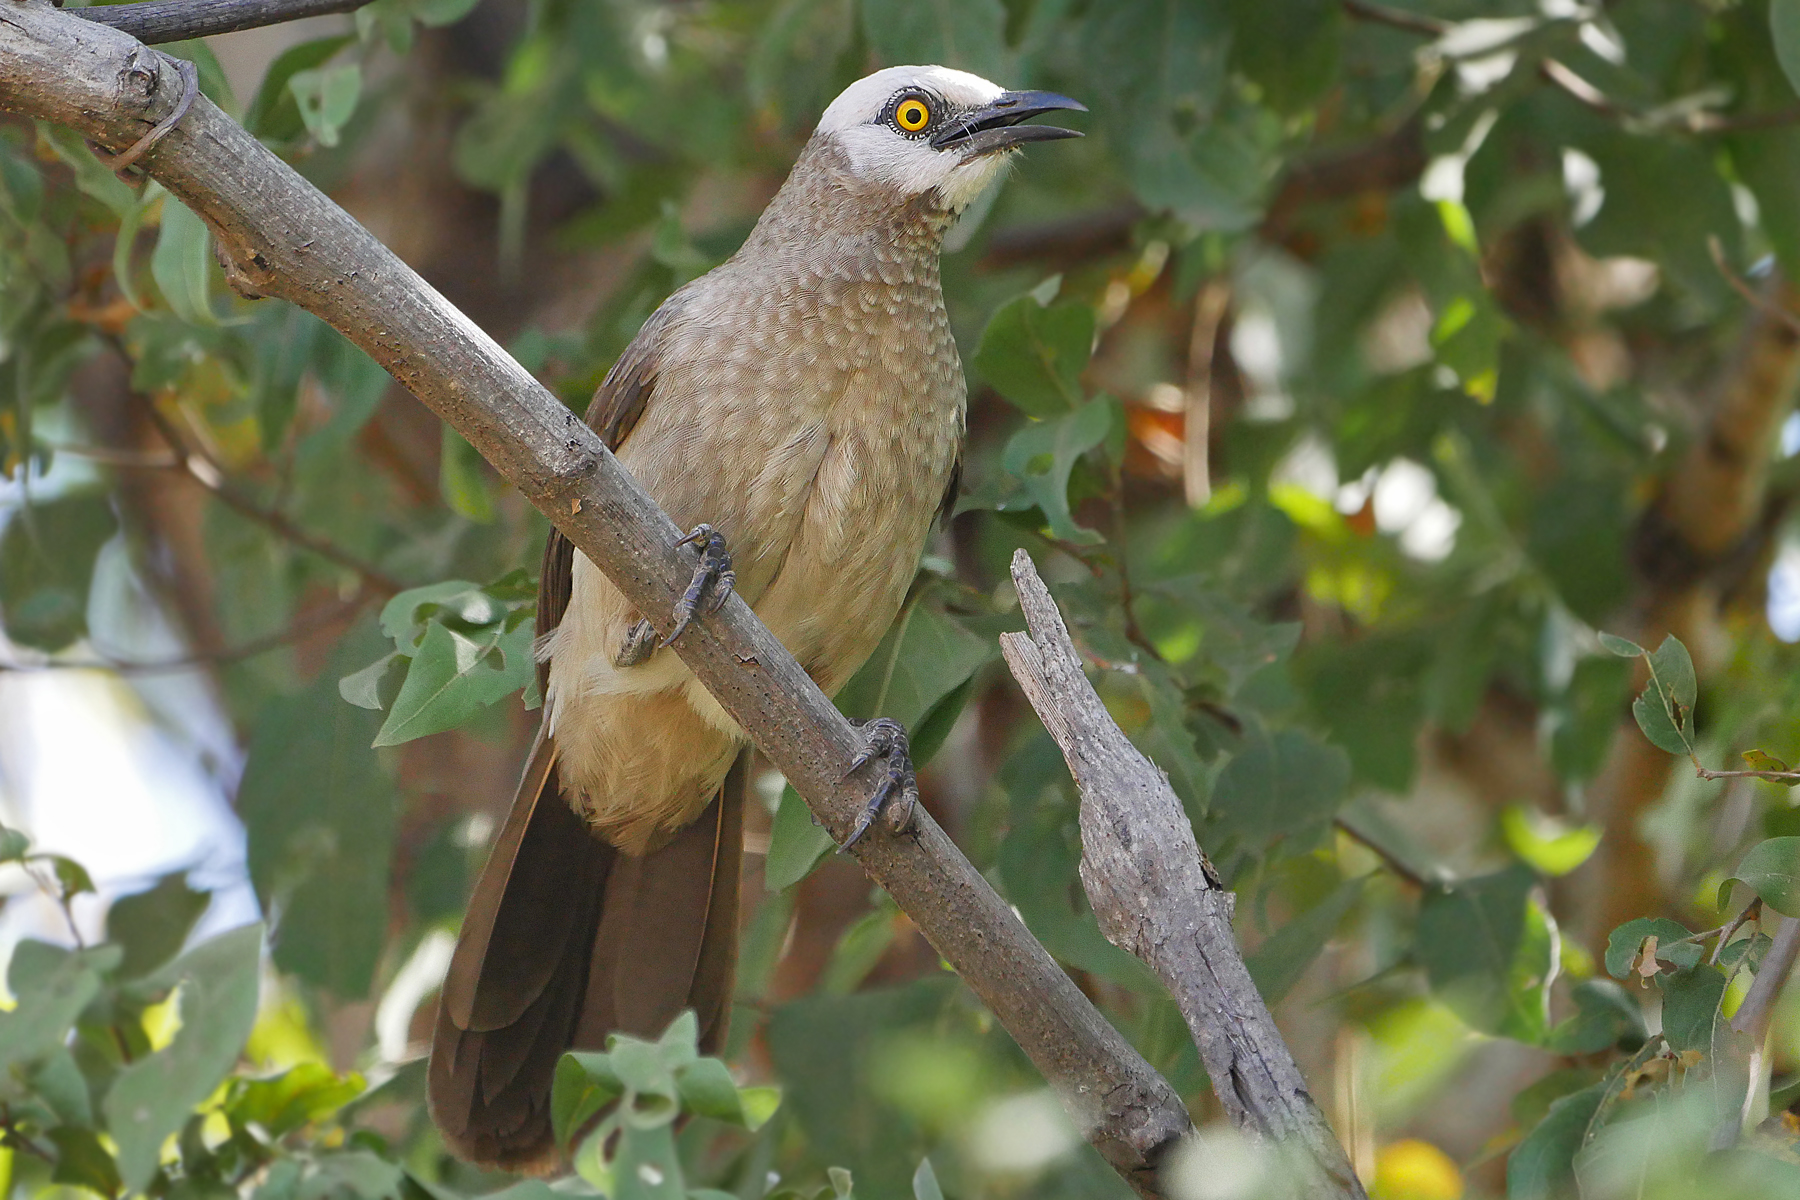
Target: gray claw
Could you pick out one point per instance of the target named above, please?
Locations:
(714, 573)
(639, 644)
(885, 739)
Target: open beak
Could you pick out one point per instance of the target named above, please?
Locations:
(996, 126)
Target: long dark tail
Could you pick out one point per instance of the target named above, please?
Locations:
(566, 941)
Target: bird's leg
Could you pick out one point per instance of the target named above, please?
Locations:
(713, 572)
(639, 644)
(885, 739)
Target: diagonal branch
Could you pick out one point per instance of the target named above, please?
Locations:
(1156, 896)
(157, 21)
(280, 236)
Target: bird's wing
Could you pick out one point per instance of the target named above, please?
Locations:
(521, 985)
(618, 403)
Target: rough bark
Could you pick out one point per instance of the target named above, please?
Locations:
(1156, 896)
(154, 21)
(279, 236)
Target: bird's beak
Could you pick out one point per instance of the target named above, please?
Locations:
(996, 126)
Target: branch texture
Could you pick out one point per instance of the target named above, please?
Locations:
(154, 21)
(1156, 896)
(279, 236)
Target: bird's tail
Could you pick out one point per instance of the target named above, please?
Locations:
(568, 940)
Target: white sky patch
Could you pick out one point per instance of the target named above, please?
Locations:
(130, 778)
(1581, 181)
(1604, 41)
(1784, 594)
(412, 983)
(1790, 435)
(1443, 178)
(1256, 347)
(1217, 1163)
(1022, 1133)
(1309, 466)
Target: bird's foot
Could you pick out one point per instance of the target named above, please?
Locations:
(886, 739)
(639, 644)
(714, 573)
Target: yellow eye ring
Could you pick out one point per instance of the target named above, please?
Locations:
(912, 115)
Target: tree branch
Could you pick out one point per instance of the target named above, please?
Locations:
(1156, 895)
(279, 236)
(304, 625)
(156, 21)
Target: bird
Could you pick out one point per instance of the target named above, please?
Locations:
(801, 407)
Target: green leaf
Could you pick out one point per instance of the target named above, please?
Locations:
(967, 34)
(1158, 70)
(152, 1097)
(452, 677)
(1542, 1167)
(274, 114)
(925, 656)
(1690, 1007)
(326, 98)
(182, 264)
(1606, 1015)
(1289, 48)
(925, 1184)
(1623, 647)
(859, 949)
(52, 986)
(82, 1160)
(1623, 944)
(1034, 354)
(1762, 760)
(1278, 785)
(647, 1166)
(1548, 845)
(363, 688)
(296, 1097)
(1044, 453)
(460, 479)
(320, 815)
(1490, 952)
(584, 1084)
(1772, 870)
(47, 555)
(1784, 32)
(1586, 717)
(707, 1090)
(408, 616)
(796, 843)
(153, 925)
(1282, 959)
(1665, 708)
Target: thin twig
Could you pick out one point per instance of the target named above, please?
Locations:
(156, 21)
(211, 476)
(1791, 778)
(1395, 865)
(1210, 306)
(1758, 1009)
(1741, 286)
(1752, 912)
(1393, 18)
(303, 626)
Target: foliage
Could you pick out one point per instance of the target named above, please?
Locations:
(1481, 280)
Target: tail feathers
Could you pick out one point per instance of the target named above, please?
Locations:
(568, 941)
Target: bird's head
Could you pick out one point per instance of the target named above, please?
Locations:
(919, 129)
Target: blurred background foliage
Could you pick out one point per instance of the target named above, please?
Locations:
(1359, 368)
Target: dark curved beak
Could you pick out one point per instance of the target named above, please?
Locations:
(996, 126)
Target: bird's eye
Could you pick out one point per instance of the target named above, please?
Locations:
(912, 115)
